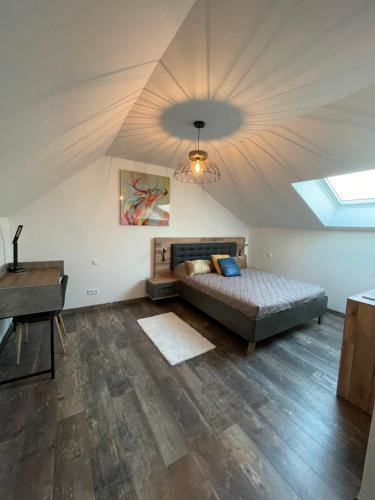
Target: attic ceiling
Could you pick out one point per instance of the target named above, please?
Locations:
(286, 87)
(301, 75)
(69, 73)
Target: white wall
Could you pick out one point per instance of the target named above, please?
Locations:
(78, 221)
(368, 480)
(4, 257)
(343, 262)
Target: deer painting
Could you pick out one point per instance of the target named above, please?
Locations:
(144, 199)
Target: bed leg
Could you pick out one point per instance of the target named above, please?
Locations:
(250, 348)
(320, 320)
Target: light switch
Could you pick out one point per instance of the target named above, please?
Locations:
(95, 262)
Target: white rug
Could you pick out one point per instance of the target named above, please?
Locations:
(175, 339)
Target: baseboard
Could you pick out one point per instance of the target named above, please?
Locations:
(336, 313)
(105, 305)
(5, 339)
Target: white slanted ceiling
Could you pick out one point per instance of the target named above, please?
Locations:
(81, 78)
(69, 73)
(302, 75)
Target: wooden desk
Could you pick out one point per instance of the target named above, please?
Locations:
(36, 290)
(356, 382)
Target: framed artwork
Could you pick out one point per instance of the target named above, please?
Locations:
(144, 199)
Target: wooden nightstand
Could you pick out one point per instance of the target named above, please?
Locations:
(162, 288)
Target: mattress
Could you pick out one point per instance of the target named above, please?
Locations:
(255, 293)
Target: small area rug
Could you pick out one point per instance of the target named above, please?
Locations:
(176, 340)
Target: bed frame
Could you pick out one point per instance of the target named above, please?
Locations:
(252, 330)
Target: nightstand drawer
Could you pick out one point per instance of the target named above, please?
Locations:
(163, 289)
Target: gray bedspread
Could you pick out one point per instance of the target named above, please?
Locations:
(254, 293)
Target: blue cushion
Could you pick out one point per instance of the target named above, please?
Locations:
(229, 267)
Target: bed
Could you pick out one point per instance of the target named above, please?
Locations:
(255, 305)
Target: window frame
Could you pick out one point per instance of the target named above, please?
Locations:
(335, 198)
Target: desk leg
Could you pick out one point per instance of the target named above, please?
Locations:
(52, 347)
(18, 342)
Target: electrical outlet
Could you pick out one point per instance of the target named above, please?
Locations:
(95, 291)
(89, 291)
(269, 255)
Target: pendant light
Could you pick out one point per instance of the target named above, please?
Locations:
(197, 168)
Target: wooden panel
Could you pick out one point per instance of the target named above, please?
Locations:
(163, 268)
(31, 277)
(29, 300)
(72, 472)
(255, 465)
(163, 279)
(33, 291)
(215, 427)
(356, 381)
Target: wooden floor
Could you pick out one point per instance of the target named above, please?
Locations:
(119, 423)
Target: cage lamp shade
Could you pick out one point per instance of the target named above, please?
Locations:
(197, 168)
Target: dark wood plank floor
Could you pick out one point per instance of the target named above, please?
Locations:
(119, 423)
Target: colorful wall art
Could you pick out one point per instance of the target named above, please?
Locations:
(144, 199)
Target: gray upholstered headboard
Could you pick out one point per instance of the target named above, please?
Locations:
(194, 251)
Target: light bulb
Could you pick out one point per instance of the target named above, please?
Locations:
(197, 167)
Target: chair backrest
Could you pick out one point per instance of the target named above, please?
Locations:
(64, 284)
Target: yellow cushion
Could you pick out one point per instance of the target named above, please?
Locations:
(197, 267)
(215, 263)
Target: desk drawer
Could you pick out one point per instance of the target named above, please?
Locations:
(29, 300)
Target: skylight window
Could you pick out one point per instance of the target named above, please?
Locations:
(353, 189)
(342, 200)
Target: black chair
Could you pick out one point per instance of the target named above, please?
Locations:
(51, 316)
